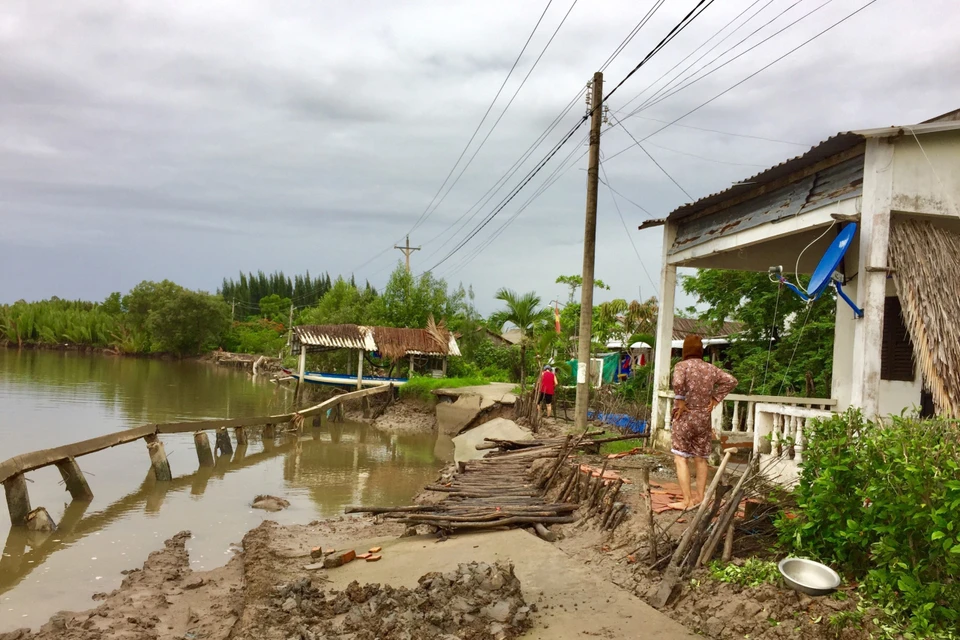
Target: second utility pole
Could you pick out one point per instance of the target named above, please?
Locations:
(407, 250)
(589, 251)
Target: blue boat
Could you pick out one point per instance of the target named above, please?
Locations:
(344, 379)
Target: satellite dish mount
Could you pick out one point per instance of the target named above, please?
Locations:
(826, 272)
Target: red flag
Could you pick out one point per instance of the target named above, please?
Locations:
(556, 316)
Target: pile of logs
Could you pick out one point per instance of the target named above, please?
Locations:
(714, 519)
(506, 489)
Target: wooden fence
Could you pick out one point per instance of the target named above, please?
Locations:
(12, 470)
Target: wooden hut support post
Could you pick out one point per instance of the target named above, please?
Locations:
(359, 369)
(204, 454)
(158, 459)
(18, 500)
(74, 480)
(269, 431)
(241, 436)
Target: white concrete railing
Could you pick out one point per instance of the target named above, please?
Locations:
(736, 415)
(779, 441)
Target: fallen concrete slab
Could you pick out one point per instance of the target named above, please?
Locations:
(572, 601)
(465, 445)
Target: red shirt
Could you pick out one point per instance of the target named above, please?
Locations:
(548, 382)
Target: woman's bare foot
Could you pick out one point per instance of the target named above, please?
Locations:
(680, 506)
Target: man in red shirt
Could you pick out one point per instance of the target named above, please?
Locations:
(548, 384)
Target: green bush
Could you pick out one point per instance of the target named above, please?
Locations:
(879, 502)
(421, 387)
(261, 336)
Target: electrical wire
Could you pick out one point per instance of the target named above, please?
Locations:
(752, 75)
(649, 155)
(725, 133)
(484, 118)
(673, 81)
(796, 269)
(625, 229)
(694, 13)
(504, 112)
(796, 344)
(668, 71)
(712, 71)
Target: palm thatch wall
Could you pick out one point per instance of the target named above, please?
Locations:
(927, 262)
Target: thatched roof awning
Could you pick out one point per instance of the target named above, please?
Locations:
(682, 327)
(927, 259)
(392, 342)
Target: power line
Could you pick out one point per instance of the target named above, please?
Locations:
(704, 158)
(755, 73)
(643, 21)
(649, 155)
(776, 33)
(502, 113)
(484, 118)
(698, 9)
(726, 133)
(624, 223)
(650, 215)
(737, 17)
(470, 141)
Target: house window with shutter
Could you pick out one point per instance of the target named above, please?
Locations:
(896, 350)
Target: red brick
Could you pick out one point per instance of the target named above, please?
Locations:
(339, 558)
(374, 558)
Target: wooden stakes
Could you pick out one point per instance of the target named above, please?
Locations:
(224, 446)
(74, 479)
(18, 499)
(204, 454)
(158, 459)
(646, 513)
(241, 436)
(674, 570)
(270, 431)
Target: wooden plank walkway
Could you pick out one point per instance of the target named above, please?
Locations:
(64, 457)
(509, 488)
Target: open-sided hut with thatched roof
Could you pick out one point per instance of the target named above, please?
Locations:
(900, 186)
(424, 349)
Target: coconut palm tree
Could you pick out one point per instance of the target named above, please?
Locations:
(523, 311)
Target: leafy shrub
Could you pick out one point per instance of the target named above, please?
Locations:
(421, 387)
(751, 573)
(260, 336)
(880, 502)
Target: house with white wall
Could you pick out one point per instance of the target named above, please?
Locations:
(900, 186)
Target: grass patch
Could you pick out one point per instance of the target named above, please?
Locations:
(620, 445)
(752, 573)
(421, 388)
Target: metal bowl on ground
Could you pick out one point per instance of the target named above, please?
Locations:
(809, 577)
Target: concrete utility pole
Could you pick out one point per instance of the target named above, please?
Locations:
(407, 250)
(589, 251)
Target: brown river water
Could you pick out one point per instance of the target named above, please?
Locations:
(50, 398)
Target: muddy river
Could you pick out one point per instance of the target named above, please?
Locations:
(51, 398)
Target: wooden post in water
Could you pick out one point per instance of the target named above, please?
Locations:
(365, 404)
(204, 453)
(74, 479)
(18, 500)
(270, 431)
(158, 459)
(241, 436)
(224, 446)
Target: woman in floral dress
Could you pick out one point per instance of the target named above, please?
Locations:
(699, 387)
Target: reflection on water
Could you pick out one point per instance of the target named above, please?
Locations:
(49, 399)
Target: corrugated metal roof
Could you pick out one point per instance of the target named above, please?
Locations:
(829, 147)
(682, 327)
(843, 141)
(393, 342)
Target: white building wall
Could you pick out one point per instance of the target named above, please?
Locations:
(895, 395)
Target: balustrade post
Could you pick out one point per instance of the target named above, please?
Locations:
(735, 421)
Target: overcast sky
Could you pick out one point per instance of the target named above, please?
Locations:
(190, 140)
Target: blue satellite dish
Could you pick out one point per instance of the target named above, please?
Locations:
(826, 271)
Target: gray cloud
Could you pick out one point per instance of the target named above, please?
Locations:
(193, 140)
